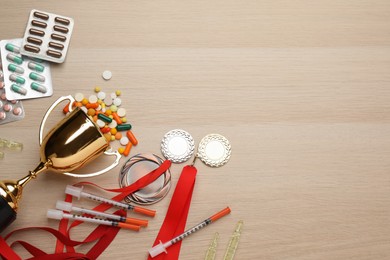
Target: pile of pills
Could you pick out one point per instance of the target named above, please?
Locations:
(106, 111)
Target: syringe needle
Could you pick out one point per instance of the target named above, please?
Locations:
(233, 243)
(160, 248)
(211, 251)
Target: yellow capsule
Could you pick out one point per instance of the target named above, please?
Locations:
(97, 89)
(84, 101)
(124, 119)
(103, 105)
(112, 138)
(121, 150)
(118, 92)
(113, 131)
(108, 112)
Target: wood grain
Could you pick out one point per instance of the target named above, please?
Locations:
(300, 88)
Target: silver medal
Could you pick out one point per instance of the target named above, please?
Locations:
(214, 150)
(177, 146)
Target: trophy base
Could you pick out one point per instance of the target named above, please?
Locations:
(7, 214)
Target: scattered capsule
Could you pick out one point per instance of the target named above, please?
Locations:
(35, 66)
(132, 138)
(97, 89)
(18, 89)
(121, 150)
(127, 149)
(117, 118)
(17, 79)
(14, 58)
(124, 120)
(13, 48)
(118, 92)
(123, 127)
(38, 87)
(14, 68)
(104, 118)
(36, 76)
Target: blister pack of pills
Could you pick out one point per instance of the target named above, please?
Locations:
(24, 77)
(47, 36)
(9, 110)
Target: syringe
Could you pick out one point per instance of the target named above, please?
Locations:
(158, 249)
(79, 193)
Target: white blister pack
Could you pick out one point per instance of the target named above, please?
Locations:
(24, 77)
(47, 36)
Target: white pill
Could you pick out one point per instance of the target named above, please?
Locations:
(113, 95)
(108, 101)
(79, 97)
(124, 140)
(100, 123)
(101, 95)
(92, 99)
(117, 102)
(121, 112)
(104, 110)
(113, 124)
(99, 108)
(107, 74)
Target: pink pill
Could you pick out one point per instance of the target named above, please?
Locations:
(2, 115)
(7, 107)
(17, 111)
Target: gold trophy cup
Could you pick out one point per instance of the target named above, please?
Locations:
(72, 143)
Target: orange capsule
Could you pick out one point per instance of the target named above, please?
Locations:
(117, 118)
(66, 108)
(132, 138)
(94, 118)
(127, 149)
(92, 105)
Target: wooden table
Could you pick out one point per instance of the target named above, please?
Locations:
(300, 88)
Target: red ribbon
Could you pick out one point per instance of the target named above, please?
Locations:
(176, 218)
(104, 235)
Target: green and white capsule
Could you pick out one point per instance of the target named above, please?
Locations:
(14, 68)
(17, 79)
(38, 87)
(36, 76)
(19, 89)
(14, 58)
(13, 48)
(36, 66)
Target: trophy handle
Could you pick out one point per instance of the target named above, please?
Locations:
(108, 152)
(58, 101)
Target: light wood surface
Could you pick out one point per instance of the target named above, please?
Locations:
(300, 88)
